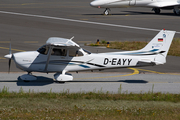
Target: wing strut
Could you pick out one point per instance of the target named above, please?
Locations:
(48, 57)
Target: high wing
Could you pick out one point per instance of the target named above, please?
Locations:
(61, 41)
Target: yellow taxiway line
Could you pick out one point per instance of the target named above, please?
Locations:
(2, 58)
(135, 72)
(31, 41)
(12, 49)
(150, 71)
(157, 72)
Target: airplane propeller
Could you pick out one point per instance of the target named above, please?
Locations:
(9, 56)
(9, 65)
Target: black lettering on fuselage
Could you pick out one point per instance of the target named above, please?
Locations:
(116, 61)
(106, 60)
(119, 62)
(129, 60)
(124, 60)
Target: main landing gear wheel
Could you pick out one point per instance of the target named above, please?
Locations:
(63, 77)
(157, 10)
(26, 80)
(176, 11)
(61, 82)
(106, 12)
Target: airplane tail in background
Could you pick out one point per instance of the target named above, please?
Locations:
(160, 45)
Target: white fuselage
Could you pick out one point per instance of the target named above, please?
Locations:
(33, 61)
(57, 58)
(131, 3)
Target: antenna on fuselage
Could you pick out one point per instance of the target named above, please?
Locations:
(72, 38)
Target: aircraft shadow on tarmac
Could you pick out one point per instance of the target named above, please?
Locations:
(136, 13)
(125, 81)
(42, 81)
(148, 13)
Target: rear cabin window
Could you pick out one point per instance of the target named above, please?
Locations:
(59, 52)
(75, 53)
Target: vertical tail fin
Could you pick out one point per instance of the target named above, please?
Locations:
(160, 45)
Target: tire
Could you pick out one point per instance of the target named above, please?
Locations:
(26, 80)
(157, 10)
(61, 82)
(176, 12)
(106, 12)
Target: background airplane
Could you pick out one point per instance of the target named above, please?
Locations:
(156, 5)
(60, 55)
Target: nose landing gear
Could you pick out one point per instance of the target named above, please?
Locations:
(106, 12)
(28, 77)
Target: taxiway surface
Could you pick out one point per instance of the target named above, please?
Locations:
(96, 82)
(29, 23)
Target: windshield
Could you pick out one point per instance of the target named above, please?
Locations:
(43, 50)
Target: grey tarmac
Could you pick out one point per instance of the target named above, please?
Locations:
(95, 82)
(29, 33)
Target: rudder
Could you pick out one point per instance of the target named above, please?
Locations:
(160, 44)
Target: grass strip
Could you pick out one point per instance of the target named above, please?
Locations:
(150, 96)
(91, 105)
(43, 108)
(136, 45)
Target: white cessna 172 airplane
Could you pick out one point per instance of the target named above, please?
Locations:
(157, 5)
(60, 55)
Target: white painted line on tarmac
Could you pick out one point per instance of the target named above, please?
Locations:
(80, 21)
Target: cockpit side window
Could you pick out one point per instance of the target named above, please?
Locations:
(79, 53)
(43, 50)
(59, 52)
(75, 53)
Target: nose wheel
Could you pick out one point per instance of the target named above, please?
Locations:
(106, 12)
(28, 77)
